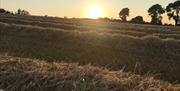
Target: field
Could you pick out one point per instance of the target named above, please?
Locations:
(140, 49)
(19, 74)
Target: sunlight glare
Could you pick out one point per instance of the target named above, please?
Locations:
(95, 12)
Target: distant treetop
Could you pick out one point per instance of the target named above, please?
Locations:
(173, 12)
(22, 12)
(137, 19)
(3, 11)
(155, 12)
(123, 14)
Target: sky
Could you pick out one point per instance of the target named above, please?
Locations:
(80, 8)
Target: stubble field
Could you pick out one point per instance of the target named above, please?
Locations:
(140, 49)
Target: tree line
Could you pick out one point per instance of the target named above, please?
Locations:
(155, 12)
(19, 12)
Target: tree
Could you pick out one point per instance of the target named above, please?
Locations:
(123, 14)
(19, 11)
(22, 12)
(137, 19)
(5, 11)
(155, 12)
(173, 12)
(2, 10)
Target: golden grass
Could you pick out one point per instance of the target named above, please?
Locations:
(20, 74)
(113, 50)
(154, 49)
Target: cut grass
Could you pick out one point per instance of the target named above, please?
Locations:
(19, 74)
(96, 47)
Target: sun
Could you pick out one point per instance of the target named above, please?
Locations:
(94, 12)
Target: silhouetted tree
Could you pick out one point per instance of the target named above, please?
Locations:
(5, 11)
(155, 12)
(2, 10)
(173, 11)
(19, 11)
(22, 12)
(137, 19)
(123, 14)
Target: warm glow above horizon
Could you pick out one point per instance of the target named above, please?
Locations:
(86, 8)
(94, 12)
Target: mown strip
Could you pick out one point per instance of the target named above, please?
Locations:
(19, 74)
(115, 51)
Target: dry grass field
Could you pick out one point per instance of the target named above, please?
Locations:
(140, 49)
(19, 74)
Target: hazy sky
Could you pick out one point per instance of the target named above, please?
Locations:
(79, 8)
